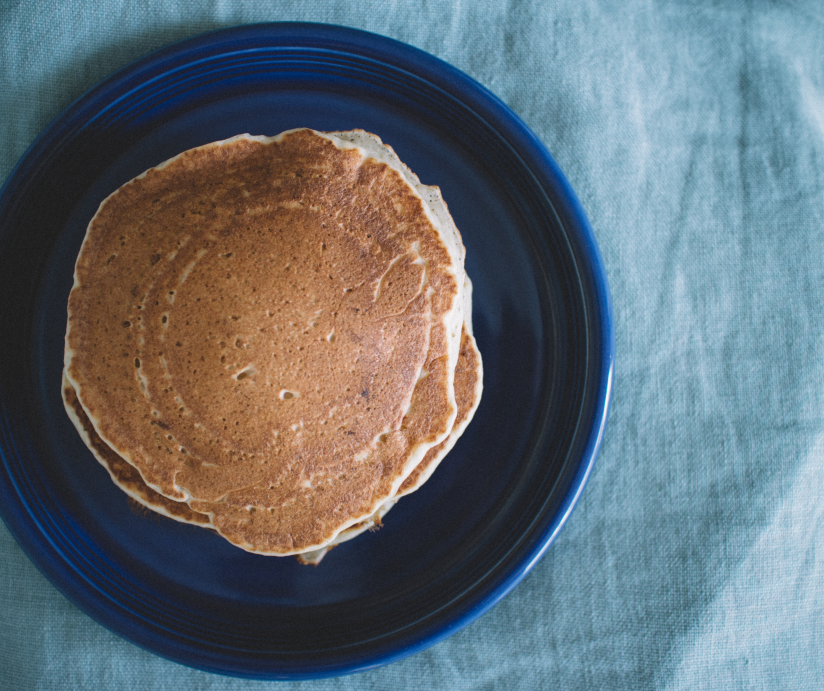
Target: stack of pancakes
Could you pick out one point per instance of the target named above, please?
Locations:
(272, 338)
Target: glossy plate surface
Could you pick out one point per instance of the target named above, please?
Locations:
(542, 319)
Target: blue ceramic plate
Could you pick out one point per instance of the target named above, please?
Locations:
(542, 318)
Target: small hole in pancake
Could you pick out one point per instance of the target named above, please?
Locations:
(245, 373)
(137, 362)
(286, 395)
(331, 337)
(164, 319)
(127, 324)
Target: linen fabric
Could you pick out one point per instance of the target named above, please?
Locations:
(693, 134)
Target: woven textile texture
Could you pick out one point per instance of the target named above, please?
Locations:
(693, 134)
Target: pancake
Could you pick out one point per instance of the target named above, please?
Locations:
(268, 328)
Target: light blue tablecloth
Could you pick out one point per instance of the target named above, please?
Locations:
(694, 136)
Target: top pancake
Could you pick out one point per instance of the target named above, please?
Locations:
(249, 325)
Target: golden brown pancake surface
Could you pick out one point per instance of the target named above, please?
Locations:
(248, 328)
